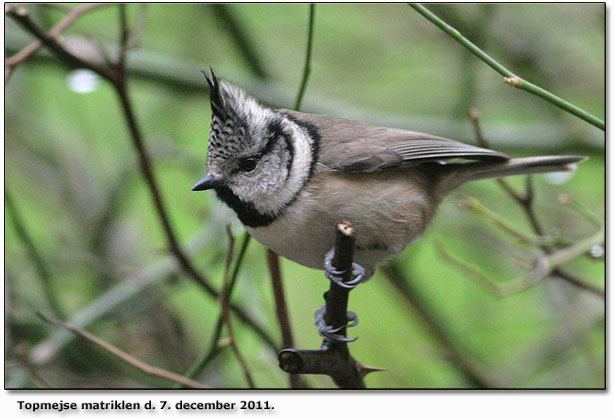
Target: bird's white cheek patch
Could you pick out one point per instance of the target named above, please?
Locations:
(274, 202)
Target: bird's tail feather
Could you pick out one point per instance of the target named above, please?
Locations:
(458, 174)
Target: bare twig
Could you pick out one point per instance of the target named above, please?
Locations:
(124, 35)
(137, 31)
(580, 209)
(282, 311)
(525, 201)
(70, 18)
(548, 263)
(542, 267)
(21, 16)
(478, 207)
(146, 368)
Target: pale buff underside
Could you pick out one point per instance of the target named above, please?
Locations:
(390, 201)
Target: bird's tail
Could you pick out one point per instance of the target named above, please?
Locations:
(457, 174)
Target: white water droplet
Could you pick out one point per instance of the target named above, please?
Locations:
(597, 251)
(83, 81)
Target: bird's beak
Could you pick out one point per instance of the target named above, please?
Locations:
(208, 182)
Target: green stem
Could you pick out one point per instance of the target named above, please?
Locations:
(510, 78)
(307, 69)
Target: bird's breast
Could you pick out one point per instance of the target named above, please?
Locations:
(388, 210)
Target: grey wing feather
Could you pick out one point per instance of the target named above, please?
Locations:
(351, 146)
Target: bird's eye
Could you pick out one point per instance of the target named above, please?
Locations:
(248, 164)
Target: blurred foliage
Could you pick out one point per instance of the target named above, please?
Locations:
(71, 173)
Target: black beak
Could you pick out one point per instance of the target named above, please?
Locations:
(209, 182)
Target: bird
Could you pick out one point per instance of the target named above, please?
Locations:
(291, 176)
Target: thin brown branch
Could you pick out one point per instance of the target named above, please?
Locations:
(122, 355)
(21, 16)
(70, 18)
(282, 311)
(474, 116)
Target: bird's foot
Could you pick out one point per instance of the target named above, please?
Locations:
(328, 332)
(336, 276)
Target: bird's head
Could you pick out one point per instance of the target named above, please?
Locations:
(259, 158)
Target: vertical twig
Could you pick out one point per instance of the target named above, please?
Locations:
(307, 69)
(282, 311)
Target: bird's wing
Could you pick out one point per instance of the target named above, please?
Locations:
(355, 147)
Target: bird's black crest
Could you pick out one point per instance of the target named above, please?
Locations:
(215, 96)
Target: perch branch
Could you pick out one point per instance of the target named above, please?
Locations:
(508, 77)
(334, 358)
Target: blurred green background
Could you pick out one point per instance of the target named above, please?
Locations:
(74, 192)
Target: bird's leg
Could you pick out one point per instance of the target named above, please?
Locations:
(329, 333)
(336, 276)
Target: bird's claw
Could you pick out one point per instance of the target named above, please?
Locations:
(329, 333)
(336, 276)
